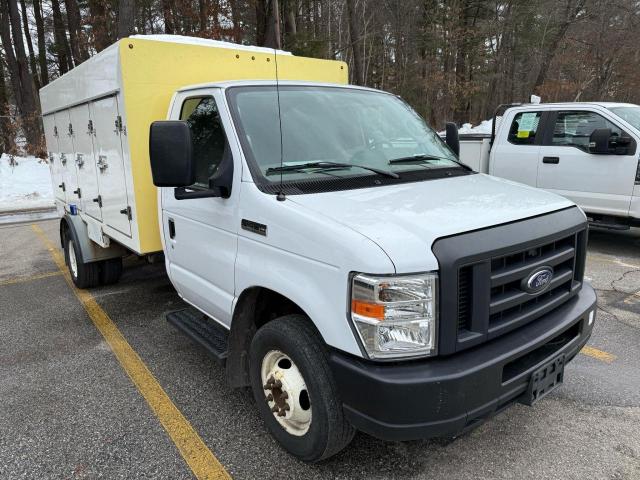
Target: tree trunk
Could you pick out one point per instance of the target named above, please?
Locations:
(42, 46)
(167, 14)
(235, 18)
(6, 141)
(22, 82)
(356, 42)
(272, 27)
(61, 47)
(27, 36)
(78, 45)
(100, 21)
(203, 15)
(570, 15)
(126, 18)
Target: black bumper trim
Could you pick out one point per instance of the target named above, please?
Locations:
(442, 397)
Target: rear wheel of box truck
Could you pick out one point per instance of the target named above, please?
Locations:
(294, 389)
(84, 275)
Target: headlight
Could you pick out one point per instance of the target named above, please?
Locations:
(395, 316)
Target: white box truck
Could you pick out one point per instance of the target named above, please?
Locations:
(336, 256)
(587, 152)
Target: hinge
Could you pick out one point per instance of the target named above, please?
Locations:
(78, 192)
(79, 160)
(127, 212)
(55, 131)
(70, 130)
(102, 163)
(98, 200)
(63, 159)
(119, 127)
(90, 127)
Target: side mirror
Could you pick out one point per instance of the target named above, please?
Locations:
(452, 138)
(171, 154)
(599, 141)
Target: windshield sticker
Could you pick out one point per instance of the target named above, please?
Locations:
(527, 122)
(523, 133)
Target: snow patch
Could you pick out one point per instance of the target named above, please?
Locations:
(484, 127)
(25, 185)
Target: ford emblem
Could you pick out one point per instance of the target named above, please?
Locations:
(538, 280)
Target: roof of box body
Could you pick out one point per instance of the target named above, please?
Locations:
(205, 42)
(271, 83)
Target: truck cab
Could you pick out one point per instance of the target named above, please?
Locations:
(555, 147)
(350, 257)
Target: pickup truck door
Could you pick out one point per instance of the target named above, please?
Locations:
(515, 152)
(200, 235)
(597, 183)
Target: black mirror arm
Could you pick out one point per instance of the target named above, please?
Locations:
(181, 193)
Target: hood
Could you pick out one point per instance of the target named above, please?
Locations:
(405, 220)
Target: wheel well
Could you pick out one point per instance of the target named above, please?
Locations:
(255, 307)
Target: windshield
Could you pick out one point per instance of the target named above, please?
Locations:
(629, 114)
(360, 130)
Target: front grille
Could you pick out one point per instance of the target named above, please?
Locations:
(480, 297)
(510, 306)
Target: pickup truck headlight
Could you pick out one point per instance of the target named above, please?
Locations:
(395, 316)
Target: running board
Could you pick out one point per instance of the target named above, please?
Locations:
(203, 330)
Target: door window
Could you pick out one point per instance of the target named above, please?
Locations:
(575, 128)
(524, 128)
(208, 137)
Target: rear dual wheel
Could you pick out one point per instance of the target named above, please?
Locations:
(88, 275)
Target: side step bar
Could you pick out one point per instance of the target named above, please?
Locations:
(203, 330)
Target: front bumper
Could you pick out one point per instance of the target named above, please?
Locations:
(444, 396)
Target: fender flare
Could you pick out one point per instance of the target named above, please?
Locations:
(88, 251)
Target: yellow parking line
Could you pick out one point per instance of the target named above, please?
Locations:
(601, 355)
(195, 452)
(29, 278)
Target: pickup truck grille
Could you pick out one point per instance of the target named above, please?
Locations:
(482, 275)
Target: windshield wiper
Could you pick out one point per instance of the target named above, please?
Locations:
(417, 158)
(328, 166)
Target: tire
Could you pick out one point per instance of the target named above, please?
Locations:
(84, 275)
(110, 271)
(295, 338)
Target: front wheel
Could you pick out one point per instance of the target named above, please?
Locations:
(294, 389)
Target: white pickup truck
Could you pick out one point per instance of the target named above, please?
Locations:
(587, 152)
(336, 256)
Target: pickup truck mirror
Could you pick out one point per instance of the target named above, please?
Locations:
(171, 154)
(599, 141)
(452, 138)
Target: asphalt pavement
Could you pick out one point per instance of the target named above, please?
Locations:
(68, 409)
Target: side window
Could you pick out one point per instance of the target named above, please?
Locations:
(575, 128)
(524, 128)
(209, 140)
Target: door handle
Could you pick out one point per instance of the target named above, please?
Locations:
(172, 228)
(553, 160)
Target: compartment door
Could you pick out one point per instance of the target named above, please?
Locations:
(85, 162)
(67, 164)
(51, 136)
(110, 164)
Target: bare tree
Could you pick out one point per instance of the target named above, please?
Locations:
(42, 47)
(76, 37)
(126, 18)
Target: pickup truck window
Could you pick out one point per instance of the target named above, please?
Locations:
(524, 128)
(629, 114)
(209, 140)
(334, 125)
(575, 128)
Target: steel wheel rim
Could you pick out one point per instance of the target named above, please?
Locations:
(73, 262)
(286, 392)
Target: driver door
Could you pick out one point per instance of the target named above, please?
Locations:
(201, 235)
(597, 183)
